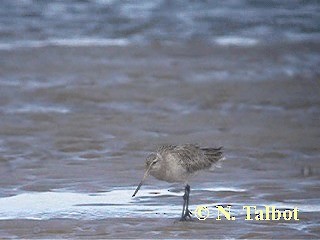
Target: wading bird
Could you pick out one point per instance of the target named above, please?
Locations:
(176, 163)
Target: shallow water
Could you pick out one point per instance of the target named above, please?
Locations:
(80, 114)
(74, 142)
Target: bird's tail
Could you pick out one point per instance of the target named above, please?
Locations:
(214, 155)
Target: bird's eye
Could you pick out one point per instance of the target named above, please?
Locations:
(154, 162)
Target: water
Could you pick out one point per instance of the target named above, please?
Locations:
(89, 88)
(246, 23)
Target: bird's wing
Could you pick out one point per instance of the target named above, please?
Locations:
(214, 155)
(191, 157)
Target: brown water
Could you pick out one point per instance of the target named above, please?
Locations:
(77, 123)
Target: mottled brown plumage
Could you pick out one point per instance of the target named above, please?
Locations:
(175, 163)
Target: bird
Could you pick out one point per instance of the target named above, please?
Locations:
(176, 163)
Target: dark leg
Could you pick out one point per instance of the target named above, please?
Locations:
(186, 214)
(184, 204)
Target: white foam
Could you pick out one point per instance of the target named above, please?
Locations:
(46, 205)
(236, 41)
(84, 42)
(76, 42)
(114, 204)
(38, 109)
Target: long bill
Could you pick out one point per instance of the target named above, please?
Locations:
(146, 174)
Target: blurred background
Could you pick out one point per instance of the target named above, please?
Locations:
(89, 87)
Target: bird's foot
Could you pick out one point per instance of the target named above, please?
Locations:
(186, 216)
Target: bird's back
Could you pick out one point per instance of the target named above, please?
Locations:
(192, 157)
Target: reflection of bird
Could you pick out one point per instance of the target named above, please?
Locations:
(176, 163)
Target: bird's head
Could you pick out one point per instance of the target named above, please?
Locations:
(152, 164)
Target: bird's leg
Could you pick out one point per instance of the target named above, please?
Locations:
(184, 205)
(186, 214)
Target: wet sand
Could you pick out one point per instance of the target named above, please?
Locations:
(82, 120)
(153, 228)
